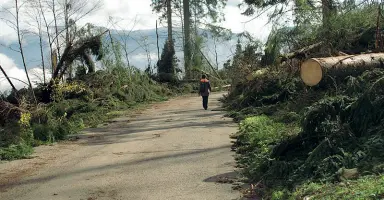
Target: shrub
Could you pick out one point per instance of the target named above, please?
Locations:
(257, 138)
(17, 151)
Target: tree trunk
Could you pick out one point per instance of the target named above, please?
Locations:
(326, 10)
(169, 21)
(66, 18)
(315, 69)
(8, 79)
(216, 56)
(56, 29)
(22, 50)
(67, 36)
(182, 24)
(48, 34)
(157, 42)
(187, 37)
(42, 51)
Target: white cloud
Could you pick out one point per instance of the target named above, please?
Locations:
(126, 11)
(15, 72)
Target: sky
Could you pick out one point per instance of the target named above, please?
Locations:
(127, 11)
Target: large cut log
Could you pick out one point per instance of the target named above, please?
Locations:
(315, 69)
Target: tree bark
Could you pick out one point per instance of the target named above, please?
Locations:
(187, 37)
(169, 21)
(314, 70)
(157, 42)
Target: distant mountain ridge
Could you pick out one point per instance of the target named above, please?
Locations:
(135, 41)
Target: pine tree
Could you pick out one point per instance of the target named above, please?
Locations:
(166, 66)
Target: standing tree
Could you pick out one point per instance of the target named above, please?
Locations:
(187, 39)
(204, 13)
(167, 64)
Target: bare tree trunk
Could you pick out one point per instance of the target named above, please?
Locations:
(157, 42)
(216, 57)
(66, 21)
(9, 80)
(112, 43)
(56, 29)
(21, 48)
(195, 35)
(41, 48)
(169, 22)
(187, 37)
(66, 18)
(126, 54)
(182, 23)
(48, 34)
(147, 51)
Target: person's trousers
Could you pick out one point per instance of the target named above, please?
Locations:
(205, 102)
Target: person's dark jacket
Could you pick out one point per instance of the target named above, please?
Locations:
(208, 89)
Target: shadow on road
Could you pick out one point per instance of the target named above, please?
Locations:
(181, 156)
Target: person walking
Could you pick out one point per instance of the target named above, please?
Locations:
(205, 89)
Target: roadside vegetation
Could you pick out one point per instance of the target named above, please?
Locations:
(86, 72)
(310, 142)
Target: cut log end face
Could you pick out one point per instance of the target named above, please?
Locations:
(311, 72)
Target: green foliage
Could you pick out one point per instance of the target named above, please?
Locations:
(341, 121)
(354, 30)
(255, 142)
(245, 61)
(211, 9)
(13, 152)
(337, 132)
(166, 66)
(267, 89)
(369, 187)
(85, 102)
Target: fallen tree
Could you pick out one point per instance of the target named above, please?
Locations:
(79, 50)
(314, 70)
(9, 112)
(300, 53)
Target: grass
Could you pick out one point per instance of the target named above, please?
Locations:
(13, 151)
(365, 188)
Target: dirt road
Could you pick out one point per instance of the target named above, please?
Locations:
(174, 150)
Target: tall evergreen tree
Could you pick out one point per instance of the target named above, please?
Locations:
(166, 66)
